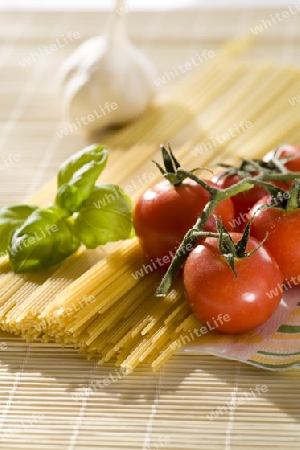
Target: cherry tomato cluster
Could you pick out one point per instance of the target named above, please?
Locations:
(246, 239)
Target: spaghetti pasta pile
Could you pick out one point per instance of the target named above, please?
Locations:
(96, 302)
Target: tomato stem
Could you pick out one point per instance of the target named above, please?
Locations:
(187, 174)
(273, 170)
(273, 190)
(293, 201)
(182, 252)
(204, 234)
(278, 176)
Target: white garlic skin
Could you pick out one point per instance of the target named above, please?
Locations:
(102, 71)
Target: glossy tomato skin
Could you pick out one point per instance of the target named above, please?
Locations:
(283, 241)
(287, 150)
(213, 291)
(243, 201)
(163, 215)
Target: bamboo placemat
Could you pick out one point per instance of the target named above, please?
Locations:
(55, 398)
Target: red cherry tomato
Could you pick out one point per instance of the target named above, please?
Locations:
(243, 201)
(283, 240)
(214, 293)
(163, 215)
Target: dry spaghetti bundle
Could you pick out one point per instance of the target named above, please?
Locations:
(95, 302)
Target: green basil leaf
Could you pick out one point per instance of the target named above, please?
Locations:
(44, 239)
(104, 217)
(11, 218)
(78, 175)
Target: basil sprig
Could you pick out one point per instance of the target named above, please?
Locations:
(83, 213)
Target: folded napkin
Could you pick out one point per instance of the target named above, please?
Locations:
(274, 345)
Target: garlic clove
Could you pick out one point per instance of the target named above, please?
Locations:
(105, 72)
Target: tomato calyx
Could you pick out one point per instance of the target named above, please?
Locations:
(232, 251)
(171, 167)
(274, 169)
(272, 176)
(247, 168)
(277, 161)
(285, 200)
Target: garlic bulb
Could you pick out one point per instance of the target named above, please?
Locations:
(107, 80)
